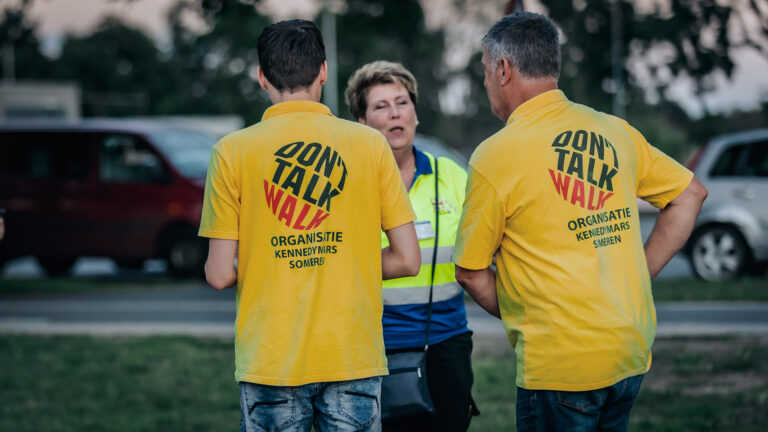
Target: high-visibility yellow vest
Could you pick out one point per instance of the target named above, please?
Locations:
(402, 322)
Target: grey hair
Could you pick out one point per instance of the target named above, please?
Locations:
(529, 41)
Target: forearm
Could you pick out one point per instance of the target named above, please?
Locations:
(220, 271)
(481, 286)
(402, 257)
(673, 227)
(394, 265)
(221, 278)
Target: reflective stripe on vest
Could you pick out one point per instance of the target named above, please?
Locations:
(415, 290)
(417, 295)
(444, 255)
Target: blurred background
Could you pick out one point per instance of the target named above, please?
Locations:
(109, 110)
(681, 71)
(138, 73)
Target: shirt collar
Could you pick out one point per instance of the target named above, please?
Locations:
(422, 164)
(294, 107)
(536, 103)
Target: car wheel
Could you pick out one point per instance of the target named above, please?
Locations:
(56, 267)
(186, 255)
(719, 253)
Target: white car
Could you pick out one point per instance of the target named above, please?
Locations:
(731, 234)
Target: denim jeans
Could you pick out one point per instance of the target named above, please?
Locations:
(605, 409)
(330, 406)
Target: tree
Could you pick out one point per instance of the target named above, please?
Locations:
(673, 39)
(216, 69)
(18, 39)
(393, 30)
(119, 69)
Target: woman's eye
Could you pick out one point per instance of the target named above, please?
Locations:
(402, 102)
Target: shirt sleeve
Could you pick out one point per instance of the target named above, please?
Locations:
(661, 178)
(221, 204)
(395, 206)
(482, 224)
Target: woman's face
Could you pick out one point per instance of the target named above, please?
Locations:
(391, 111)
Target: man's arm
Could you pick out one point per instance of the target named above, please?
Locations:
(481, 286)
(674, 226)
(402, 257)
(220, 270)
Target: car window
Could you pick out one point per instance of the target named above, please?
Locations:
(55, 156)
(729, 162)
(188, 151)
(756, 163)
(126, 159)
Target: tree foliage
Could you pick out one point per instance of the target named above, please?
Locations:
(212, 70)
(18, 30)
(675, 38)
(393, 30)
(119, 69)
(216, 69)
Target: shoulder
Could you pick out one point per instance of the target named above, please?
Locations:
(356, 128)
(487, 153)
(233, 139)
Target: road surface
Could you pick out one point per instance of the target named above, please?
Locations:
(200, 310)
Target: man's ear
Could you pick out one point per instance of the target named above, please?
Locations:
(263, 82)
(504, 71)
(323, 73)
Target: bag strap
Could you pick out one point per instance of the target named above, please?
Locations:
(434, 260)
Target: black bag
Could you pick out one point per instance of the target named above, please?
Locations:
(404, 392)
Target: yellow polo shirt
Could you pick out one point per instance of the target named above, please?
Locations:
(307, 195)
(553, 196)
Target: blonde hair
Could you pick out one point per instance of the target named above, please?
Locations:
(371, 74)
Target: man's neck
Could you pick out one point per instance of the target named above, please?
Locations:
(527, 91)
(312, 94)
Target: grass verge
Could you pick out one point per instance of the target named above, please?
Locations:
(745, 289)
(186, 384)
(695, 384)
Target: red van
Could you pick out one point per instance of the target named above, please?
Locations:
(128, 191)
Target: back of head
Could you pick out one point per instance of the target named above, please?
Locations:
(291, 53)
(371, 74)
(529, 41)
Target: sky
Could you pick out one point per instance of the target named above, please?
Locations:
(747, 88)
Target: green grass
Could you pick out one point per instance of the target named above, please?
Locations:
(695, 384)
(17, 286)
(168, 383)
(746, 289)
(127, 384)
(705, 384)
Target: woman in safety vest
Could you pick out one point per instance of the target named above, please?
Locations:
(383, 95)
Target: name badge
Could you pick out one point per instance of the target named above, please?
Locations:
(424, 230)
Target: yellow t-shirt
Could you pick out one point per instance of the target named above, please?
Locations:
(553, 196)
(306, 194)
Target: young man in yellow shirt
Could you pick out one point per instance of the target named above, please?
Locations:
(553, 197)
(301, 198)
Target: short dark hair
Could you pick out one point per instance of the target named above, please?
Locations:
(291, 53)
(529, 41)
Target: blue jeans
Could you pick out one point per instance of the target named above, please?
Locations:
(605, 409)
(330, 406)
